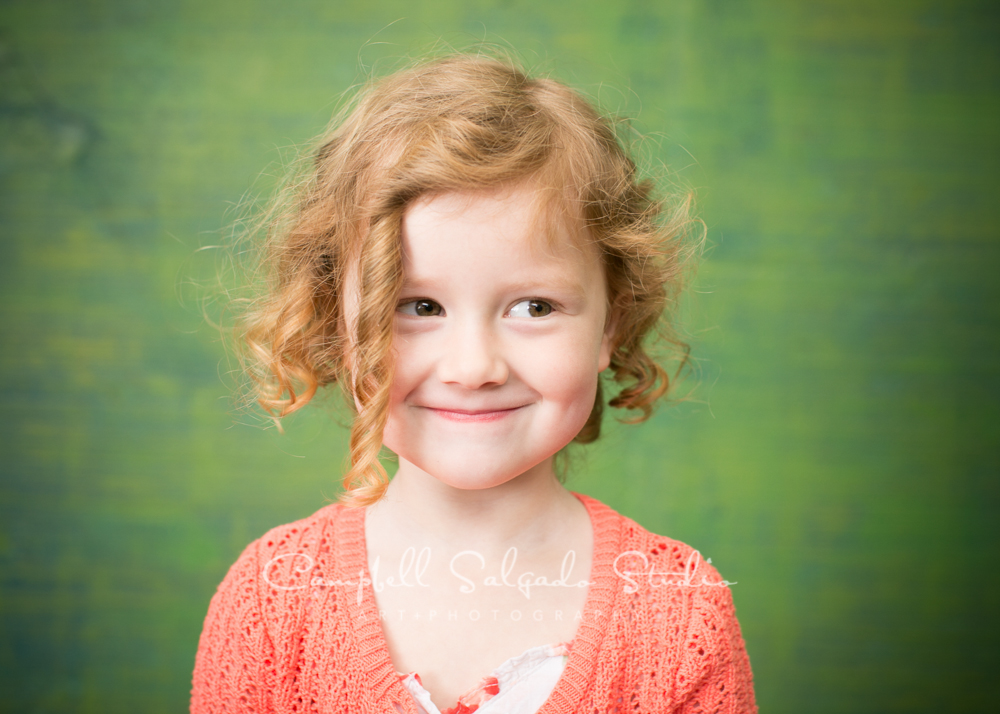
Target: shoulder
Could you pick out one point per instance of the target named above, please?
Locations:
(251, 633)
(276, 568)
(282, 558)
(313, 534)
(661, 560)
(677, 597)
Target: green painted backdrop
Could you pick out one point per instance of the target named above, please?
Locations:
(841, 463)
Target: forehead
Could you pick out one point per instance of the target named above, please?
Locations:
(528, 221)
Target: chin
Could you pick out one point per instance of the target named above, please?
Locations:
(474, 474)
(471, 479)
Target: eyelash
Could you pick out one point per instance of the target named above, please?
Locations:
(415, 306)
(532, 302)
(424, 303)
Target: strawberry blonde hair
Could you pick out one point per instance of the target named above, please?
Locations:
(459, 123)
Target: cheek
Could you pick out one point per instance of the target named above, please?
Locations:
(566, 376)
(397, 431)
(576, 393)
(409, 370)
(568, 400)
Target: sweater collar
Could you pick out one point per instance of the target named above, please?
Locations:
(351, 558)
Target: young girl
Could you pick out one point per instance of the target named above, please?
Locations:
(471, 251)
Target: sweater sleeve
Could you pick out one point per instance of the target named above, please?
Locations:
(233, 664)
(714, 676)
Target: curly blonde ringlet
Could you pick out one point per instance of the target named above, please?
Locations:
(462, 122)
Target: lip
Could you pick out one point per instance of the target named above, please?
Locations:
(467, 416)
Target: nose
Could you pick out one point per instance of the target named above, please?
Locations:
(472, 358)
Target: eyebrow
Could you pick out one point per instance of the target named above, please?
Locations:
(542, 283)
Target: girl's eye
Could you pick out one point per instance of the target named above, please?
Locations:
(421, 308)
(531, 308)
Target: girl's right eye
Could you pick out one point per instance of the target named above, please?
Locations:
(421, 308)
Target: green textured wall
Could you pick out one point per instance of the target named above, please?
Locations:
(841, 463)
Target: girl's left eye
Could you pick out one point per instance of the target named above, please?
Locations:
(531, 308)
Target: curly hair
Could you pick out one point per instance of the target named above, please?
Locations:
(456, 123)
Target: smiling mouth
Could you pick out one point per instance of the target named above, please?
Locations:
(468, 415)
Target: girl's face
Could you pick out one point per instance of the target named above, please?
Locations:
(500, 334)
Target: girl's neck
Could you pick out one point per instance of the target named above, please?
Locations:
(526, 512)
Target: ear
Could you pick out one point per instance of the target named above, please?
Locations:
(347, 326)
(607, 342)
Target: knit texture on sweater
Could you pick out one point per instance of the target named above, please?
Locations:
(291, 630)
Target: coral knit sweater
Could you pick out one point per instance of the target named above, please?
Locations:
(305, 636)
